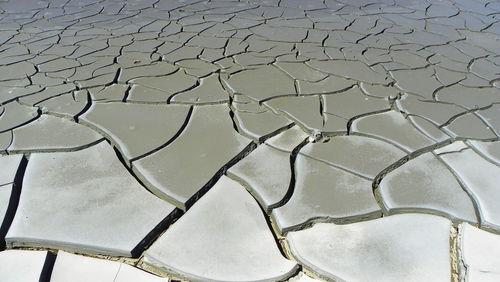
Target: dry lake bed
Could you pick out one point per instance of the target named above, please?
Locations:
(273, 140)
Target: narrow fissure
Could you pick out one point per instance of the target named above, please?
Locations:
(48, 266)
(291, 187)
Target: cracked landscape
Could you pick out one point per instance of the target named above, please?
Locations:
(269, 140)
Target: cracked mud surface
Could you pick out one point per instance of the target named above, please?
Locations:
(249, 140)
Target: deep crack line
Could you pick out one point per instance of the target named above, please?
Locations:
(291, 187)
(13, 201)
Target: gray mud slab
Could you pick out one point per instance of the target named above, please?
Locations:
(361, 155)
(223, 237)
(474, 172)
(323, 192)
(412, 247)
(21, 265)
(267, 174)
(426, 184)
(84, 201)
(66, 136)
(9, 165)
(479, 253)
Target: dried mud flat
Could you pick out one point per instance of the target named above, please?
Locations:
(249, 140)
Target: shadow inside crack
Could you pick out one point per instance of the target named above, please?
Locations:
(13, 201)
